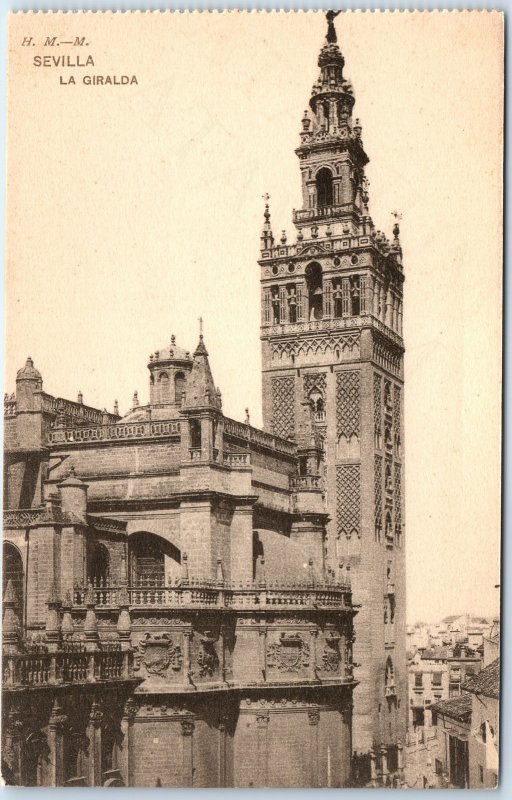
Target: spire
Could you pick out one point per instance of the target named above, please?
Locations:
(201, 391)
(267, 237)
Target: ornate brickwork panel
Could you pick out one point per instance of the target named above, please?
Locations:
(398, 501)
(397, 411)
(377, 409)
(343, 346)
(348, 403)
(387, 355)
(348, 500)
(283, 407)
(378, 496)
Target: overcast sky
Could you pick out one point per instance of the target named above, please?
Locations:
(135, 210)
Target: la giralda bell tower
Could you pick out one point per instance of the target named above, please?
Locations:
(332, 307)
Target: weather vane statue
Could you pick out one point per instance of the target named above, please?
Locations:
(331, 30)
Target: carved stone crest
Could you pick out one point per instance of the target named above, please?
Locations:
(289, 654)
(157, 652)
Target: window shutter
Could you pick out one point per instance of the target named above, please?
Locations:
(283, 304)
(345, 297)
(300, 303)
(328, 298)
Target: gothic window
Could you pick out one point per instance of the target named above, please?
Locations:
(74, 745)
(390, 673)
(389, 527)
(324, 191)
(179, 387)
(195, 434)
(98, 564)
(317, 403)
(315, 293)
(13, 571)
(163, 380)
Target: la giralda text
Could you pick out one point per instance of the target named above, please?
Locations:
(88, 80)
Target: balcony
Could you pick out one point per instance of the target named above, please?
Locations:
(320, 213)
(66, 666)
(207, 594)
(306, 483)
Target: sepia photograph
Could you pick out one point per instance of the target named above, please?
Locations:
(252, 409)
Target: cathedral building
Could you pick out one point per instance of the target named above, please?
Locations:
(331, 332)
(182, 592)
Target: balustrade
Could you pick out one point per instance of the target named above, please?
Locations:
(70, 665)
(115, 432)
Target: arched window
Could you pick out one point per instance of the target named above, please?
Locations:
(179, 387)
(98, 566)
(317, 404)
(34, 755)
(315, 291)
(163, 380)
(324, 187)
(149, 555)
(13, 571)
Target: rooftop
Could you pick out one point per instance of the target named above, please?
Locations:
(456, 707)
(487, 682)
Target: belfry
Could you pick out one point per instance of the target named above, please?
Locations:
(331, 333)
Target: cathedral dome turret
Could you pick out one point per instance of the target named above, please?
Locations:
(28, 372)
(169, 368)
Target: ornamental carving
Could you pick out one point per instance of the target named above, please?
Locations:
(207, 658)
(289, 654)
(331, 656)
(343, 346)
(378, 496)
(157, 652)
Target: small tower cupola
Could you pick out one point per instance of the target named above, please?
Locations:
(169, 369)
(202, 405)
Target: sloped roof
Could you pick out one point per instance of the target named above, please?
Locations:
(487, 682)
(455, 707)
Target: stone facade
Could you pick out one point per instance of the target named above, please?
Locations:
(167, 607)
(331, 332)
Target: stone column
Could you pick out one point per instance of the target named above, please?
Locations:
(187, 731)
(313, 719)
(262, 721)
(94, 736)
(56, 730)
(11, 753)
(125, 756)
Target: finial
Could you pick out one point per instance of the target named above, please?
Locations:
(173, 339)
(201, 328)
(283, 237)
(116, 408)
(247, 417)
(72, 473)
(135, 401)
(80, 398)
(331, 30)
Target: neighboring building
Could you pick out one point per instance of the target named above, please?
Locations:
(332, 308)
(468, 733)
(461, 662)
(169, 618)
(428, 684)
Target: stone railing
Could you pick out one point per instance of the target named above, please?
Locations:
(63, 666)
(23, 517)
(78, 411)
(237, 460)
(205, 594)
(305, 483)
(10, 405)
(319, 213)
(115, 433)
(239, 430)
(333, 324)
